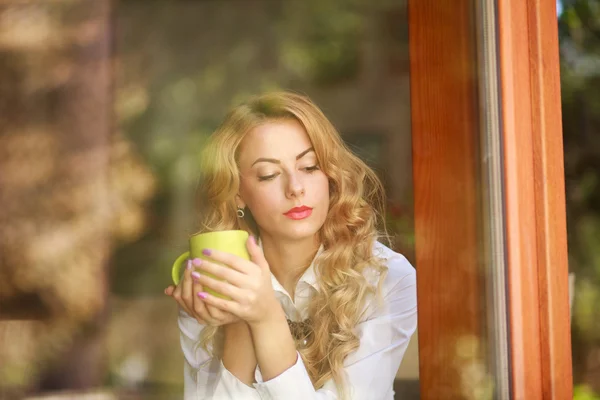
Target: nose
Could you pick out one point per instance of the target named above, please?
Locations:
(295, 187)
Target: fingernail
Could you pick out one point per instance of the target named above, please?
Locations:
(206, 252)
(202, 295)
(253, 239)
(197, 262)
(195, 275)
(189, 264)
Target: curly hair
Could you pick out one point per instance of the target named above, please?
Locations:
(355, 213)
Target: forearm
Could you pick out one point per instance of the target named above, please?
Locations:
(238, 351)
(274, 346)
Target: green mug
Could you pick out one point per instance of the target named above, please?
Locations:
(233, 242)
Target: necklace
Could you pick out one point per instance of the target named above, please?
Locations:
(301, 330)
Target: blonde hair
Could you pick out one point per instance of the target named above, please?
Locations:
(348, 234)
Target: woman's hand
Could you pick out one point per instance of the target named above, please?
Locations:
(246, 283)
(186, 295)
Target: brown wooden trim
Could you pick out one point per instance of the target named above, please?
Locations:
(520, 212)
(535, 204)
(550, 201)
(445, 141)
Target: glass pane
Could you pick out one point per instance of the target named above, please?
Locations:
(175, 87)
(579, 35)
(459, 232)
(113, 230)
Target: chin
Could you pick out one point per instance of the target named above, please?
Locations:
(301, 231)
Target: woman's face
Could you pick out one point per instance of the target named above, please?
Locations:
(281, 181)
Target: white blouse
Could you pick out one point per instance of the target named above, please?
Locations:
(384, 334)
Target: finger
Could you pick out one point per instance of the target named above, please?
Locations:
(225, 288)
(222, 272)
(215, 316)
(202, 314)
(169, 291)
(219, 315)
(178, 296)
(231, 260)
(199, 306)
(187, 299)
(257, 256)
(187, 293)
(222, 304)
(195, 275)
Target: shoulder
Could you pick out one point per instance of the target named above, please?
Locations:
(399, 269)
(399, 285)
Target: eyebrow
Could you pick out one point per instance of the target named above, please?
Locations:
(275, 161)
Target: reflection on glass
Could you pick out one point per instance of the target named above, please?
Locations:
(492, 226)
(57, 207)
(579, 34)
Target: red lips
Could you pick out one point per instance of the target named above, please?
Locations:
(297, 213)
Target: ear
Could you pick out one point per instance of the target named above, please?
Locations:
(239, 202)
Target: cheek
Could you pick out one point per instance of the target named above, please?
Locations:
(322, 198)
(322, 188)
(259, 199)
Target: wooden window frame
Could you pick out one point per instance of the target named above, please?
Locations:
(446, 133)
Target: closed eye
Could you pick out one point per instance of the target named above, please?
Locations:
(312, 169)
(267, 177)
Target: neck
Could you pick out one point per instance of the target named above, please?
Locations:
(289, 259)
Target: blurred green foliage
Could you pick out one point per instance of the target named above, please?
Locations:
(579, 34)
(175, 85)
(583, 392)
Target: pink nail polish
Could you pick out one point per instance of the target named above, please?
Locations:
(196, 275)
(202, 295)
(197, 262)
(253, 239)
(189, 264)
(206, 252)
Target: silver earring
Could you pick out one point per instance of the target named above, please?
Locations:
(240, 212)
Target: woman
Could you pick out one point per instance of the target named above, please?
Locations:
(322, 310)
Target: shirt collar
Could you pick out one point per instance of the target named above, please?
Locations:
(309, 276)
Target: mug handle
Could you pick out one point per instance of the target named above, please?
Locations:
(177, 265)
